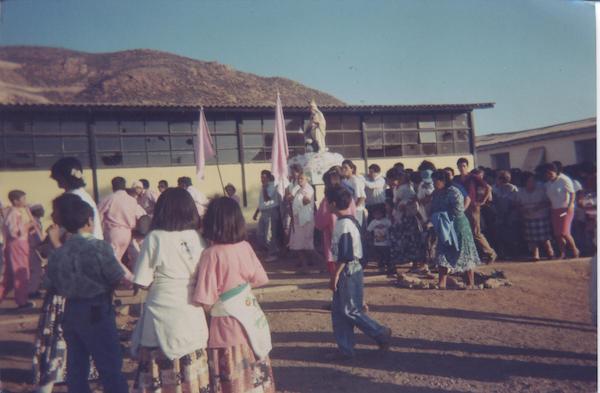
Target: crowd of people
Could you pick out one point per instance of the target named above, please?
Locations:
(201, 328)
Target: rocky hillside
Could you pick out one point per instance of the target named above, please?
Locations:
(141, 76)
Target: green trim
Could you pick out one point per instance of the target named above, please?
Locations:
(232, 292)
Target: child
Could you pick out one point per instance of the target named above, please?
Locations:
(35, 260)
(230, 191)
(85, 271)
(405, 234)
(347, 283)
(239, 340)
(378, 230)
(172, 330)
(18, 226)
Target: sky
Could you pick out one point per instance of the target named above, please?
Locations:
(534, 58)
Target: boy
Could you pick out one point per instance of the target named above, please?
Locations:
(378, 231)
(18, 226)
(347, 283)
(85, 271)
(269, 224)
(374, 189)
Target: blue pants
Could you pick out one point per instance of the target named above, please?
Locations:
(346, 310)
(90, 329)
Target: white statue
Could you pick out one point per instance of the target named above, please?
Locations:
(317, 127)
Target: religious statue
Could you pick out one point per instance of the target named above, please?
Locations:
(316, 128)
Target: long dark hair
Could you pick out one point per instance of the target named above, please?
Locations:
(442, 175)
(224, 222)
(68, 173)
(175, 210)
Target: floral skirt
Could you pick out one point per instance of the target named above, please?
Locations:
(50, 357)
(157, 373)
(236, 370)
(406, 240)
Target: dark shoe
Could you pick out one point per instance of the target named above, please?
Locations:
(338, 356)
(384, 340)
(26, 306)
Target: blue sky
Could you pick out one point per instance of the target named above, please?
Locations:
(535, 59)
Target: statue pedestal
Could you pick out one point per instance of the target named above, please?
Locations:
(316, 164)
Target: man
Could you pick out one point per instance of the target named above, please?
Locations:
(119, 213)
(200, 199)
(473, 211)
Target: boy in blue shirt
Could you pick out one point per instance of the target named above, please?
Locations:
(85, 271)
(347, 283)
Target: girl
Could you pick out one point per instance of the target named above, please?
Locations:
(230, 192)
(303, 221)
(69, 176)
(228, 264)
(455, 248)
(405, 234)
(534, 207)
(171, 335)
(269, 224)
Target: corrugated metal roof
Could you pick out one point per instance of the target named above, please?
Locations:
(492, 141)
(243, 108)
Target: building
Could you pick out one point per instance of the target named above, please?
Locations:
(570, 143)
(156, 141)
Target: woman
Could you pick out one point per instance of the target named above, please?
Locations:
(561, 193)
(356, 186)
(50, 357)
(506, 221)
(534, 207)
(456, 249)
(303, 221)
(229, 267)
(171, 335)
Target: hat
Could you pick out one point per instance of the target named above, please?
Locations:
(137, 184)
(426, 176)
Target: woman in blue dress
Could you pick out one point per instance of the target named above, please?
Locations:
(459, 255)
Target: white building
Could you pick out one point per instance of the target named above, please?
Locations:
(570, 143)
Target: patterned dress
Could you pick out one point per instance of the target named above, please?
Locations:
(451, 201)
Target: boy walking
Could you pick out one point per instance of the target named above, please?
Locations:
(85, 271)
(347, 283)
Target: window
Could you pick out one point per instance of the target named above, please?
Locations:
(257, 136)
(585, 151)
(501, 161)
(344, 136)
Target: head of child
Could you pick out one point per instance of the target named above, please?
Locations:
(79, 218)
(441, 179)
(302, 180)
(224, 222)
(175, 210)
(17, 198)
(379, 212)
(391, 177)
(339, 199)
(265, 177)
(61, 207)
(162, 186)
(403, 177)
(374, 171)
(230, 190)
(333, 176)
(184, 182)
(68, 173)
(295, 171)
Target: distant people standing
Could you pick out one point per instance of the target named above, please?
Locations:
(473, 212)
(456, 249)
(269, 224)
(561, 192)
(68, 174)
(356, 186)
(199, 198)
(288, 200)
(405, 233)
(119, 213)
(507, 228)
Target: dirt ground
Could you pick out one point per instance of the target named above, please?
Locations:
(535, 336)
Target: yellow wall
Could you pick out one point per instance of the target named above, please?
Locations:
(41, 189)
(557, 149)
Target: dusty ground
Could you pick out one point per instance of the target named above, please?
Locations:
(532, 337)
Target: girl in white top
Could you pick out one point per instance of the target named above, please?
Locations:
(303, 221)
(356, 186)
(172, 329)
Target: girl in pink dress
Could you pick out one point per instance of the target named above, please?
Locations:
(227, 264)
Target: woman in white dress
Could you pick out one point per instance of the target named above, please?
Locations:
(171, 336)
(303, 221)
